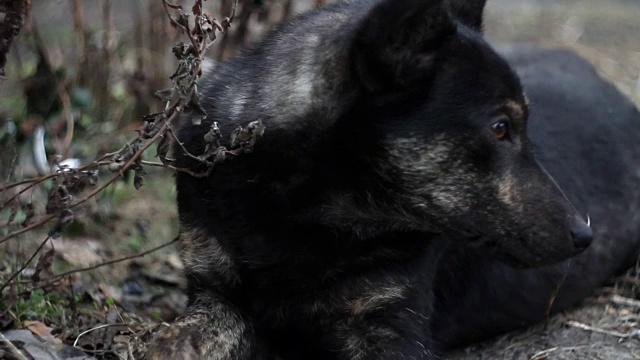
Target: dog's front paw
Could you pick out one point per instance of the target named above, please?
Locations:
(209, 331)
(176, 342)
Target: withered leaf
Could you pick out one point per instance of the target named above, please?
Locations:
(198, 112)
(164, 95)
(42, 330)
(15, 205)
(220, 155)
(59, 198)
(226, 23)
(121, 158)
(183, 19)
(155, 116)
(182, 71)
(247, 136)
(138, 179)
(66, 217)
(147, 130)
(219, 26)
(164, 146)
(197, 7)
(29, 211)
(76, 181)
(44, 265)
(181, 50)
(213, 135)
(173, 6)
(56, 231)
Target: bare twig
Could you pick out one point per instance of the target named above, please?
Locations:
(96, 328)
(579, 325)
(177, 169)
(13, 351)
(57, 277)
(554, 295)
(92, 193)
(24, 266)
(183, 95)
(38, 180)
(183, 148)
(126, 166)
(43, 220)
(33, 183)
(620, 300)
(175, 22)
(544, 354)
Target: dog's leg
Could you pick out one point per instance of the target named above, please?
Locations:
(210, 329)
(398, 333)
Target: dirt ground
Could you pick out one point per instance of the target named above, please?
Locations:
(148, 290)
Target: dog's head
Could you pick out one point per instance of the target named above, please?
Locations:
(450, 122)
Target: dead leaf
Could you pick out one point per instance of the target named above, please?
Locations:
(42, 330)
(15, 205)
(81, 252)
(44, 265)
(33, 347)
(111, 292)
(29, 211)
(174, 261)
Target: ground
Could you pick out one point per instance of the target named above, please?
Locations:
(113, 309)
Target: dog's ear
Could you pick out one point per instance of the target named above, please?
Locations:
(396, 43)
(468, 12)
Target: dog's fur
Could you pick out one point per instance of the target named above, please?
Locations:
(376, 216)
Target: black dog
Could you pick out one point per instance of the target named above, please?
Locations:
(394, 168)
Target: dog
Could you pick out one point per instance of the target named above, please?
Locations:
(393, 206)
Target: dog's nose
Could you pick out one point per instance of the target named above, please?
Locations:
(582, 236)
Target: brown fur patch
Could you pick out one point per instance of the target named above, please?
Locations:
(508, 192)
(377, 299)
(203, 254)
(515, 108)
(209, 330)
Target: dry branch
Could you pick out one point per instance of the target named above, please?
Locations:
(579, 325)
(182, 96)
(55, 278)
(24, 266)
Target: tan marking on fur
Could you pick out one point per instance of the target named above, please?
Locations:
(202, 254)
(515, 108)
(209, 330)
(191, 338)
(508, 193)
(506, 190)
(435, 159)
(377, 299)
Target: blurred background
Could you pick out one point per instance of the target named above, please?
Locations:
(106, 59)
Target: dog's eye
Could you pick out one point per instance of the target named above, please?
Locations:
(500, 129)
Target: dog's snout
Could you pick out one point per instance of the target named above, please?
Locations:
(582, 236)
